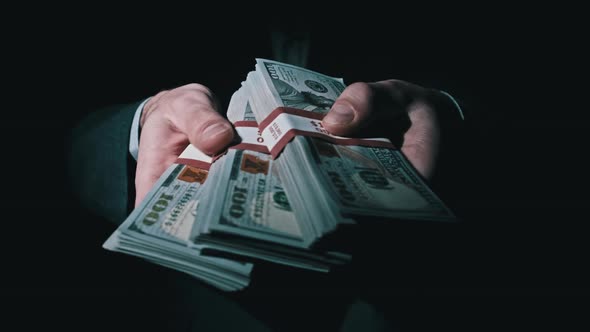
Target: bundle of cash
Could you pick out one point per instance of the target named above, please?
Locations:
(159, 230)
(248, 213)
(331, 180)
(281, 187)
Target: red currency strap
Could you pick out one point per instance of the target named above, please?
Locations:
(194, 157)
(250, 140)
(284, 123)
(250, 137)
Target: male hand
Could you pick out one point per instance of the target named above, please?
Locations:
(170, 121)
(405, 111)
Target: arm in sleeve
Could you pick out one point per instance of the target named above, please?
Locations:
(100, 168)
(135, 131)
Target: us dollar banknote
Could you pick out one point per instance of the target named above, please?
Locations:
(159, 230)
(356, 180)
(247, 201)
(210, 216)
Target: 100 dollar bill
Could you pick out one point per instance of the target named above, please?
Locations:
(361, 180)
(159, 230)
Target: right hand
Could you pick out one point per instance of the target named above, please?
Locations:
(169, 122)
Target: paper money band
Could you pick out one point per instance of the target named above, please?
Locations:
(274, 133)
(250, 137)
(192, 156)
(284, 123)
(250, 140)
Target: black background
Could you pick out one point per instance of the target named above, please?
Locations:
(518, 259)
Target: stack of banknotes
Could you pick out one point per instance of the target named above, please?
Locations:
(283, 185)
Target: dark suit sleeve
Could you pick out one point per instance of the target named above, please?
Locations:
(100, 168)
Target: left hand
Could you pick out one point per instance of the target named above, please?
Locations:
(405, 111)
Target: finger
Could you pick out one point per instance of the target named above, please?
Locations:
(351, 111)
(157, 152)
(195, 114)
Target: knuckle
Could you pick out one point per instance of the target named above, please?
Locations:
(360, 88)
(397, 91)
(189, 100)
(395, 83)
(188, 97)
(361, 91)
(360, 96)
(395, 86)
(198, 88)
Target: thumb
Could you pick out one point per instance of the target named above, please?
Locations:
(205, 128)
(351, 111)
(212, 136)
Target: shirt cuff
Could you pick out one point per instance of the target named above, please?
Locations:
(454, 101)
(134, 134)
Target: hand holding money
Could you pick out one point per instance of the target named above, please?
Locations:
(404, 111)
(169, 122)
(166, 117)
(287, 181)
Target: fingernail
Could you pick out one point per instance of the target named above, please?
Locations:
(339, 115)
(216, 129)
